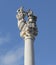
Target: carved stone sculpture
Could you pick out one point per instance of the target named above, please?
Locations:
(26, 27)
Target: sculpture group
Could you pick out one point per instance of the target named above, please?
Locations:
(26, 27)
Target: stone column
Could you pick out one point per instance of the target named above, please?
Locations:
(28, 31)
(29, 51)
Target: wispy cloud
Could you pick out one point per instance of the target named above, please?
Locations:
(11, 57)
(4, 39)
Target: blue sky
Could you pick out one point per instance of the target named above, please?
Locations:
(12, 45)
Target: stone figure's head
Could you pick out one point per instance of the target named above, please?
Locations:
(20, 10)
(20, 13)
(31, 16)
(29, 13)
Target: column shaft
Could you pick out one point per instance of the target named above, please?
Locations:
(29, 52)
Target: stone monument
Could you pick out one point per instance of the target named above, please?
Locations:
(28, 31)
